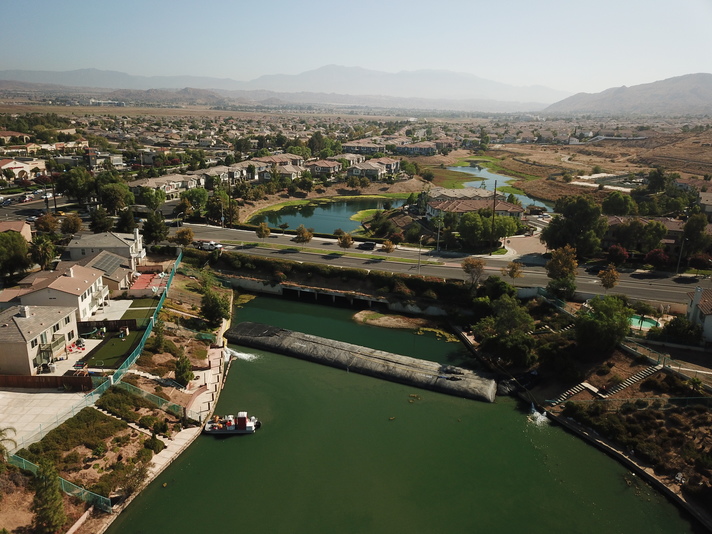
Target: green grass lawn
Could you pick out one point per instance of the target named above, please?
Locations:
(145, 303)
(114, 351)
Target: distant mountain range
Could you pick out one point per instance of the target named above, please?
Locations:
(352, 86)
(332, 83)
(690, 94)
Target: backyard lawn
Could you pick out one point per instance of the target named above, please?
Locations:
(114, 350)
(145, 303)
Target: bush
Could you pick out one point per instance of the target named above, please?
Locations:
(154, 444)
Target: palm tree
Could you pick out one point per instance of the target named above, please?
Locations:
(42, 251)
(4, 440)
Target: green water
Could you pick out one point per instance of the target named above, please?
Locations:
(329, 458)
(325, 217)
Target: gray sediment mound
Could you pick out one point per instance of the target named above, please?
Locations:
(371, 362)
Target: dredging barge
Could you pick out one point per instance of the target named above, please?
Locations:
(377, 363)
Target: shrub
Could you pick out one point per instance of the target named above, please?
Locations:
(154, 444)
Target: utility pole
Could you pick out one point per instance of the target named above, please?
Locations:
(420, 244)
(494, 207)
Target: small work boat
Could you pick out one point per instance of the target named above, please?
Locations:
(229, 424)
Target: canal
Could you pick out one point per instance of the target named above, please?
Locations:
(341, 452)
(486, 179)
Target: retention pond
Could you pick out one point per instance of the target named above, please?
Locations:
(343, 452)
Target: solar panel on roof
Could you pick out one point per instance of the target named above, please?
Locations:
(108, 263)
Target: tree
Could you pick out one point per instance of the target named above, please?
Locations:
(76, 183)
(183, 237)
(304, 235)
(100, 221)
(183, 370)
(387, 246)
(48, 223)
(506, 332)
(679, 330)
(472, 229)
(263, 231)
(198, 198)
(562, 264)
(4, 440)
(695, 236)
(72, 224)
(283, 227)
(657, 258)
(126, 223)
(42, 251)
(214, 308)
(152, 198)
(346, 241)
(513, 270)
(115, 197)
(617, 255)
(609, 277)
(154, 228)
(603, 325)
(700, 262)
(474, 269)
(48, 503)
(13, 253)
(579, 225)
(616, 203)
(159, 338)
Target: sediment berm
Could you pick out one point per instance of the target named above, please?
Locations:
(377, 363)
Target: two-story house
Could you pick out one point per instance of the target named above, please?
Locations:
(33, 336)
(126, 245)
(699, 311)
(78, 287)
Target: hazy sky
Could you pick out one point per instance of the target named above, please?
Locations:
(571, 45)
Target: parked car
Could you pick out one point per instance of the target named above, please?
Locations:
(367, 245)
(31, 218)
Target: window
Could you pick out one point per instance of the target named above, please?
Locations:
(67, 320)
(84, 252)
(43, 338)
(33, 343)
(70, 336)
(55, 328)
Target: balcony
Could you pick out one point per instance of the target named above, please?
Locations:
(99, 296)
(49, 351)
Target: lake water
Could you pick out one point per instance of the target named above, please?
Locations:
(323, 217)
(486, 180)
(343, 453)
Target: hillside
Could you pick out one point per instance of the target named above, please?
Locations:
(689, 94)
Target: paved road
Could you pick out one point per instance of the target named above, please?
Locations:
(634, 284)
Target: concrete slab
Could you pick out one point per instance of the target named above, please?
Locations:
(113, 311)
(36, 411)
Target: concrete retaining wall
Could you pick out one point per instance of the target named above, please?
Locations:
(371, 362)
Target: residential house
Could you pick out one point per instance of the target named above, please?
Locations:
(363, 147)
(280, 159)
(706, 202)
(424, 148)
(324, 167)
(501, 208)
(117, 272)
(128, 246)
(20, 227)
(373, 171)
(78, 287)
(699, 311)
(7, 135)
(353, 159)
(392, 165)
(33, 336)
(442, 193)
(670, 242)
(171, 184)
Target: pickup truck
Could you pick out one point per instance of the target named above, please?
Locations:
(208, 245)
